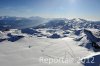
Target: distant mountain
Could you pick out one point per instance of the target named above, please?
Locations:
(7, 22)
(70, 24)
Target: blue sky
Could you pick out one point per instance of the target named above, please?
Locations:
(88, 9)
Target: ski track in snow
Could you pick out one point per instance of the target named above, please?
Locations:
(19, 54)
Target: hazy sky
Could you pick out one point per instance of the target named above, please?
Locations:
(88, 9)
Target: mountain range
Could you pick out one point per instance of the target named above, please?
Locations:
(7, 22)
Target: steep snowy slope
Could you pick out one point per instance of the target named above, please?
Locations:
(90, 39)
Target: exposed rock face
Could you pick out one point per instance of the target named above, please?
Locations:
(95, 41)
(14, 38)
(55, 36)
(92, 61)
(90, 36)
(29, 31)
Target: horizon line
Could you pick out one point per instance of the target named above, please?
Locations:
(90, 19)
